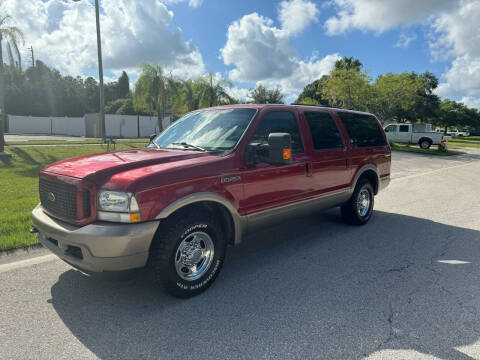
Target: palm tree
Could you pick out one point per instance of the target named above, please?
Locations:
(154, 91)
(214, 93)
(191, 94)
(13, 35)
(348, 63)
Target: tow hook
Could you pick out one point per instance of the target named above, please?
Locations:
(33, 230)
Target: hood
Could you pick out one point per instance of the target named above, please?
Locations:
(96, 166)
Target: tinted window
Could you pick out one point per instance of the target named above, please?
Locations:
(363, 130)
(403, 128)
(279, 122)
(325, 134)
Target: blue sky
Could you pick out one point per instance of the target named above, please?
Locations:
(285, 43)
(376, 51)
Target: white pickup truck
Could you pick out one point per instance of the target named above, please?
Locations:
(420, 134)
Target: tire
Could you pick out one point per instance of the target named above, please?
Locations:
(355, 213)
(425, 144)
(182, 243)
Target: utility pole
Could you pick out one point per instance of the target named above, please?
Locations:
(33, 56)
(100, 73)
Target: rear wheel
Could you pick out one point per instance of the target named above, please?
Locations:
(187, 254)
(425, 144)
(358, 210)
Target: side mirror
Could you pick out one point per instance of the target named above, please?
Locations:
(279, 148)
(278, 151)
(153, 136)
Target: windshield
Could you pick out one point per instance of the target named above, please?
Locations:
(206, 130)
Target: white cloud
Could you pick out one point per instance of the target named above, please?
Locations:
(404, 40)
(240, 94)
(191, 3)
(195, 3)
(472, 102)
(379, 16)
(457, 34)
(63, 35)
(261, 52)
(462, 78)
(304, 72)
(257, 49)
(296, 15)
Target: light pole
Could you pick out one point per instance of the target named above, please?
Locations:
(100, 71)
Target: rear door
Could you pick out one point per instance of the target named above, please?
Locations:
(330, 164)
(267, 186)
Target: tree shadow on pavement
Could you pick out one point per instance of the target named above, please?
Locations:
(309, 288)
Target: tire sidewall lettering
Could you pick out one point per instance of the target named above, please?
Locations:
(193, 228)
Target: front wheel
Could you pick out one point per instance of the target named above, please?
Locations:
(358, 210)
(187, 254)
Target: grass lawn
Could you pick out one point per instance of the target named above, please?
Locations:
(470, 141)
(435, 151)
(19, 187)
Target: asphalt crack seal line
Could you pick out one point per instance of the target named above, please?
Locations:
(26, 263)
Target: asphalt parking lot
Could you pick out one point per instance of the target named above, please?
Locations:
(405, 286)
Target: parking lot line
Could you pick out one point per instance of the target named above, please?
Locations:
(25, 263)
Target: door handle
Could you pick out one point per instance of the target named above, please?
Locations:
(301, 165)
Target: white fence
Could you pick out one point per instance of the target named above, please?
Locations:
(117, 126)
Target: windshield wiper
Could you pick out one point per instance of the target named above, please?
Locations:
(189, 146)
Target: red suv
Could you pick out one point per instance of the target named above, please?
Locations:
(210, 178)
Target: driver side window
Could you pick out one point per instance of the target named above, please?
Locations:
(278, 122)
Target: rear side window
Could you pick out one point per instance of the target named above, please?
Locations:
(325, 134)
(363, 130)
(279, 122)
(403, 128)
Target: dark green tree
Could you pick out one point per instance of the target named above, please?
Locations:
(456, 114)
(262, 95)
(123, 86)
(312, 93)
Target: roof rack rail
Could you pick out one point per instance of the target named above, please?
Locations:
(319, 105)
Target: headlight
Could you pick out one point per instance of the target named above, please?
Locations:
(118, 206)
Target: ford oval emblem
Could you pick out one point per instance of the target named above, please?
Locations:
(51, 197)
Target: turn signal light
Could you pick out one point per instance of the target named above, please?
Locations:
(134, 217)
(287, 154)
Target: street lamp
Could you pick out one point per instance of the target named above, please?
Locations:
(100, 71)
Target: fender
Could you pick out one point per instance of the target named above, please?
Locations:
(361, 171)
(239, 222)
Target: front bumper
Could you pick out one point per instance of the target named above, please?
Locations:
(101, 246)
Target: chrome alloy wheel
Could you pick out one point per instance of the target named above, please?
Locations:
(194, 256)
(363, 202)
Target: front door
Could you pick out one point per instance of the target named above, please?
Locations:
(267, 186)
